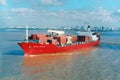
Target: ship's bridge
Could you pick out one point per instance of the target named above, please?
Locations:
(58, 32)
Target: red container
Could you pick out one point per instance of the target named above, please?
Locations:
(34, 36)
(42, 38)
(61, 39)
(73, 38)
(50, 38)
(81, 38)
(54, 41)
(41, 35)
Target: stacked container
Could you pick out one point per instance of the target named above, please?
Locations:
(80, 38)
(83, 38)
(49, 38)
(73, 38)
(61, 39)
(34, 36)
(29, 37)
(54, 41)
(87, 38)
(41, 38)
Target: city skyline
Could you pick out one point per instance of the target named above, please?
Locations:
(55, 13)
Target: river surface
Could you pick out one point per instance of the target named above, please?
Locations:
(97, 63)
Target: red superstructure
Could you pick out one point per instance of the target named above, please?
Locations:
(56, 42)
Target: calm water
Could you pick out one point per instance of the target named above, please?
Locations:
(99, 63)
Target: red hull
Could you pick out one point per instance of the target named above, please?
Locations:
(31, 48)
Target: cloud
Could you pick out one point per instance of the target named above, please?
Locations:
(118, 10)
(117, 13)
(22, 10)
(47, 18)
(51, 2)
(3, 2)
(102, 15)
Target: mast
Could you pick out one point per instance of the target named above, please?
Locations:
(26, 33)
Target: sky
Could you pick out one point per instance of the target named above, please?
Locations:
(57, 13)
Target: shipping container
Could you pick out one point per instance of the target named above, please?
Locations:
(83, 38)
(87, 38)
(73, 38)
(29, 37)
(80, 38)
(41, 35)
(54, 41)
(49, 38)
(49, 41)
(42, 38)
(34, 36)
(61, 39)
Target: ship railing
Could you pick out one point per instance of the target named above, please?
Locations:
(62, 45)
(36, 41)
(74, 43)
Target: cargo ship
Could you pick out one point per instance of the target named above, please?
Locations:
(56, 41)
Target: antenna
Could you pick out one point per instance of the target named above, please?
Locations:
(26, 33)
(88, 28)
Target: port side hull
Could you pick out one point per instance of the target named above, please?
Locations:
(30, 48)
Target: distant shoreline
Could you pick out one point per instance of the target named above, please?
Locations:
(12, 29)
